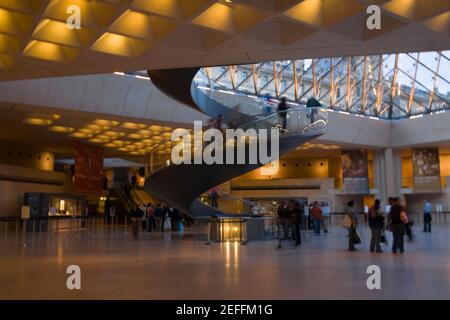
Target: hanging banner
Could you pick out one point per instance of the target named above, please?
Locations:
(355, 171)
(426, 170)
(88, 175)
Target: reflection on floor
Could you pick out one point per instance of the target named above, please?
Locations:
(160, 267)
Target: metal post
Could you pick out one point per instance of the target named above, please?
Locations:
(126, 224)
(24, 233)
(17, 229)
(209, 232)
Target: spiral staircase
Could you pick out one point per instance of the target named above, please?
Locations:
(181, 185)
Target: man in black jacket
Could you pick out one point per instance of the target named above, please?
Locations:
(282, 112)
(397, 226)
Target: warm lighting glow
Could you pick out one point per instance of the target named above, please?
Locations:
(106, 123)
(120, 45)
(135, 136)
(49, 51)
(61, 129)
(57, 32)
(62, 205)
(120, 143)
(80, 135)
(132, 125)
(218, 16)
(133, 24)
(114, 134)
(38, 121)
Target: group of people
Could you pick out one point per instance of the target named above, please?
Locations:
(159, 217)
(397, 221)
(290, 214)
(283, 110)
(293, 216)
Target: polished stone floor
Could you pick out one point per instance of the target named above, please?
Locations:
(114, 266)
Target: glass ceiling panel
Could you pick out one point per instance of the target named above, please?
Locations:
(389, 86)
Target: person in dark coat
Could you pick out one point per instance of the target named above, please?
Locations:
(313, 103)
(397, 225)
(376, 225)
(284, 221)
(136, 215)
(282, 112)
(297, 211)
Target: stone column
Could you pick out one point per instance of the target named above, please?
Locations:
(387, 173)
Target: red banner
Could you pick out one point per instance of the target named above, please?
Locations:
(88, 174)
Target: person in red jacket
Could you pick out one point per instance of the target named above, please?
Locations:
(316, 216)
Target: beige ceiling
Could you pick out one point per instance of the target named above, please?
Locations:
(121, 35)
(55, 130)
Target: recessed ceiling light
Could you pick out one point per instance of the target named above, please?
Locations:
(61, 129)
(132, 125)
(80, 135)
(106, 123)
(38, 121)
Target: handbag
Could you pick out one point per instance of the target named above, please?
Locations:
(347, 222)
(356, 238)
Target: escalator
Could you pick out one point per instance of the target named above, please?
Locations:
(181, 185)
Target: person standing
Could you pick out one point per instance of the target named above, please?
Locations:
(376, 224)
(353, 237)
(317, 217)
(427, 209)
(167, 225)
(158, 214)
(282, 112)
(397, 220)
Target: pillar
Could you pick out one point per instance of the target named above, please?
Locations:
(388, 173)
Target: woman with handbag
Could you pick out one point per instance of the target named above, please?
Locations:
(350, 222)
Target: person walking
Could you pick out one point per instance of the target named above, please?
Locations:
(427, 209)
(350, 216)
(317, 217)
(313, 104)
(135, 215)
(282, 112)
(214, 197)
(397, 221)
(284, 222)
(297, 212)
(151, 223)
(376, 224)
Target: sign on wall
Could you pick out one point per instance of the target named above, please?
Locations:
(88, 175)
(426, 170)
(355, 171)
